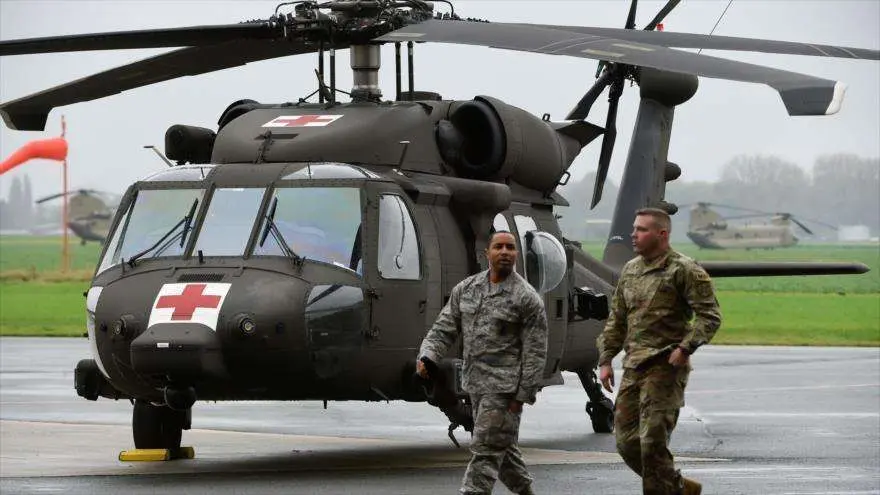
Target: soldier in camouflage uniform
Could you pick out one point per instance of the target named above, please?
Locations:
(663, 310)
(503, 325)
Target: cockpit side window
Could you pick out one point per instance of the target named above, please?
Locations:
(398, 244)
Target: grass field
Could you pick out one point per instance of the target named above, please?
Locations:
(826, 310)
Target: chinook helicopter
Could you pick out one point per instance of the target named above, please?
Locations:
(709, 230)
(89, 213)
(301, 250)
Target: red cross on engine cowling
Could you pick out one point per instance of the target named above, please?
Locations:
(186, 303)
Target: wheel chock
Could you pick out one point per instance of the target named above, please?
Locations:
(152, 455)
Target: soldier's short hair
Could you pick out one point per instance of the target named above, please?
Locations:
(495, 232)
(661, 218)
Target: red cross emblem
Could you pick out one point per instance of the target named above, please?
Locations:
(186, 303)
(302, 121)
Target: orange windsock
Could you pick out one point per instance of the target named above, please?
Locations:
(50, 149)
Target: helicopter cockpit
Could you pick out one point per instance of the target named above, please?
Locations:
(310, 211)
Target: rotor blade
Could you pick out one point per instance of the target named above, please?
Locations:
(833, 227)
(801, 225)
(607, 141)
(802, 94)
(51, 196)
(780, 268)
(671, 4)
(147, 38)
(714, 42)
(30, 113)
(631, 17)
(582, 109)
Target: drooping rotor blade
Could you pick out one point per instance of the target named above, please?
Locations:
(801, 225)
(147, 38)
(802, 94)
(714, 42)
(780, 268)
(50, 197)
(671, 4)
(607, 142)
(30, 113)
(68, 193)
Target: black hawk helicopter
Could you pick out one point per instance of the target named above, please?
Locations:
(89, 215)
(299, 251)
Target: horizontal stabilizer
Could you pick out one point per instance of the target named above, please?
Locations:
(780, 268)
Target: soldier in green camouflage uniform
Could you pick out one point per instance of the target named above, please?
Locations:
(663, 310)
(504, 329)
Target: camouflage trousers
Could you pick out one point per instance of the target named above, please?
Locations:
(646, 411)
(494, 449)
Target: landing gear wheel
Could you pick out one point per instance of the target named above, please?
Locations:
(157, 427)
(601, 416)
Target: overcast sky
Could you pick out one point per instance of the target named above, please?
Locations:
(724, 119)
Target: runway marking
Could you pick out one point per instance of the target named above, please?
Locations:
(781, 389)
(38, 449)
(767, 414)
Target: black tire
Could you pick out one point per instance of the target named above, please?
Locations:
(601, 417)
(156, 427)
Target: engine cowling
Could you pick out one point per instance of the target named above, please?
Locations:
(488, 139)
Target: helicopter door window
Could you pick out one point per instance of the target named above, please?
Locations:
(524, 224)
(398, 245)
(156, 225)
(500, 224)
(229, 221)
(546, 260)
(318, 223)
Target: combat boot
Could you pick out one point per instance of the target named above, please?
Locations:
(691, 487)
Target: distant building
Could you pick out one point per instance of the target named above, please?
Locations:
(853, 233)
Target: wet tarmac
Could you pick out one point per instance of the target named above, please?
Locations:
(759, 420)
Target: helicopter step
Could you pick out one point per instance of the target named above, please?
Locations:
(599, 407)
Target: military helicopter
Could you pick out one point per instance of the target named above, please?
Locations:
(300, 251)
(709, 230)
(89, 215)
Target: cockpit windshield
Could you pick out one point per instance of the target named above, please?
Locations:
(156, 213)
(319, 224)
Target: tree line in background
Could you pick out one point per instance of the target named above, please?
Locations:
(840, 189)
(18, 212)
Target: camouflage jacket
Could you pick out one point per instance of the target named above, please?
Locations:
(504, 331)
(667, 303)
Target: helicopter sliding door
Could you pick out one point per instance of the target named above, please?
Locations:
(395, 273)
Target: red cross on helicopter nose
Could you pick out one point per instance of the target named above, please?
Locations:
(186, 303)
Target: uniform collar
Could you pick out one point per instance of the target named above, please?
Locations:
(505, 286)
(659, 263)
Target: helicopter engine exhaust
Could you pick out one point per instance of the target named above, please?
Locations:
(488, 139)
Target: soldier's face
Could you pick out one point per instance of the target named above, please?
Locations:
(502, 253)
(647, 236)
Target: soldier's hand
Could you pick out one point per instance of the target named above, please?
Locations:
(515, 406)
(421, 370)
(606, 376)
(678, 358)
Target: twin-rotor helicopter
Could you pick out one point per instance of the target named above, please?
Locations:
(300, 250)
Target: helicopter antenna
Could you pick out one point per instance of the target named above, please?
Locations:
(716, 24)
(159, 153)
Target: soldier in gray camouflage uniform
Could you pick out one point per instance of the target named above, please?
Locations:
(504, 328)
(663, 309)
